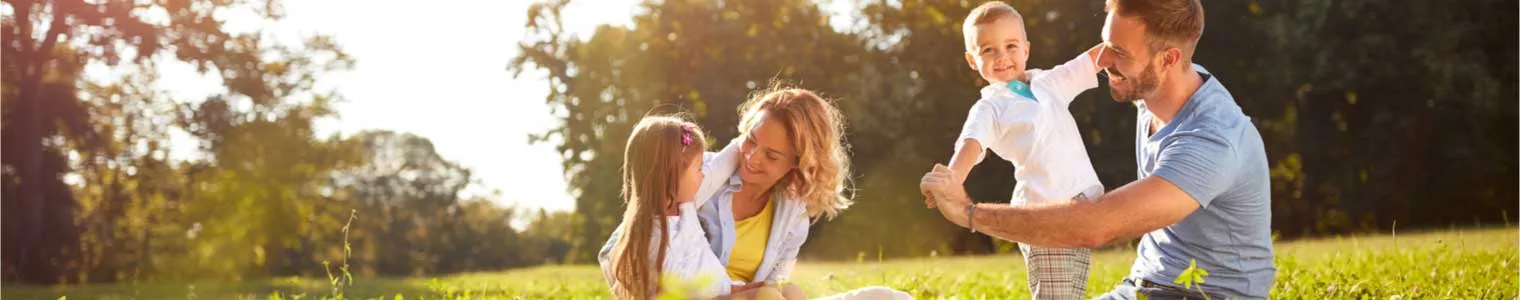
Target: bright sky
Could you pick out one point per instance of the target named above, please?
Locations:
(438, 71)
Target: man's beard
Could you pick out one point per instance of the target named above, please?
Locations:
(1139, 86)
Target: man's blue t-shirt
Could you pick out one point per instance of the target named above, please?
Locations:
(1212, 151)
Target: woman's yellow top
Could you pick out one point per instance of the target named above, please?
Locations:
(750, 238)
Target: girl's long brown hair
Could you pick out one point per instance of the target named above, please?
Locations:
(658, 150)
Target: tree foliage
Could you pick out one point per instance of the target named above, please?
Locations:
(1373, 113)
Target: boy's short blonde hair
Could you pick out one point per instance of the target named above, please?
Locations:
(986, 14)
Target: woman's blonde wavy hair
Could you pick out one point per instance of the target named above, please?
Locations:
(817, 131)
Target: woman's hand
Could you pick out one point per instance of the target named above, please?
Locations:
(737, 288)
(793, 292)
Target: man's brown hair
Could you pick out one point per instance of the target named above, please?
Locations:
(1176, 23)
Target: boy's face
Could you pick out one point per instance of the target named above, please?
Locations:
(1000, 51)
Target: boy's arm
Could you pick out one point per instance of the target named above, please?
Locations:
(968, 153)
(981, 125)
(1073, 77)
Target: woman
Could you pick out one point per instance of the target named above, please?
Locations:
(791, 169)
(787, 168)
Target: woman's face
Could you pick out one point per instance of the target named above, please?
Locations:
(767, 153)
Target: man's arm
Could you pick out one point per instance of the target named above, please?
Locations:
(1134, 209)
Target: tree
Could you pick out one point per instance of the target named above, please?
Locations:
(1354, 146)
(414, 219)
(694, 56)
(50, 127)
(1370, 147)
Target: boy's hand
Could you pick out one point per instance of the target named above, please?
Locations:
(928, 198)
(1095, 54)
(1100, 56)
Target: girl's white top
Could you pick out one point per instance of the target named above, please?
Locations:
(690, 264)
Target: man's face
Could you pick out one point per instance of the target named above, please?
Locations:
(1131, 65)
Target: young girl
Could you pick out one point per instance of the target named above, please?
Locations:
(660, 237)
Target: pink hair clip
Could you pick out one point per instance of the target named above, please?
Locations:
(686, 135)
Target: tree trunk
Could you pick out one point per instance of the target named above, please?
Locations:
(34, 253)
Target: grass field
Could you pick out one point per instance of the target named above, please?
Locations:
(1457, 264)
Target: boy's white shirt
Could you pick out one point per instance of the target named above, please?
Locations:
(1039, 136)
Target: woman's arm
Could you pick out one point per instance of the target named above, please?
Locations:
(797, 234)
(717, 167)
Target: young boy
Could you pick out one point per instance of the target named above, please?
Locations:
(1023, 117)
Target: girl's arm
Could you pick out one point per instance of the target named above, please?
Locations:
(604, 257)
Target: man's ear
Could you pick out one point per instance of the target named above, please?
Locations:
(1171, 57)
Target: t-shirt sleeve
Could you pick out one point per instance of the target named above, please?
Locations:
(1200, 163)
(981, 125)
(1068, 80)
(997, 118)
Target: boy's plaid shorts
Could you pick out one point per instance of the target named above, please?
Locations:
(1056, 273)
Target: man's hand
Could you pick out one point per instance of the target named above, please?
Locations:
(925, 188)
(928, 199)
(942, 182)
(943, 187)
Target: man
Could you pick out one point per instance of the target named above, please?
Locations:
(1204, 192)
